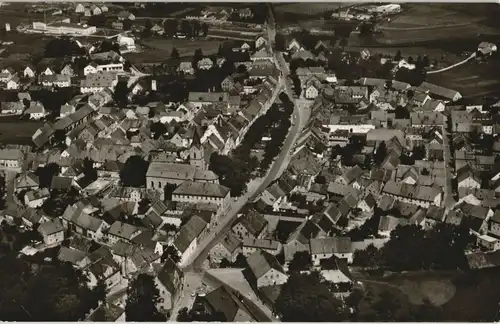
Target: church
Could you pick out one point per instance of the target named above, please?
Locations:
(161, 174)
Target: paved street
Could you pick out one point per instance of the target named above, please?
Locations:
(192, 266)
(192, 281)
(448, 201)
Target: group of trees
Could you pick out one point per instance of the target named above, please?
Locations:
(412, 248)
(278, 119)
(143, 298)
(308, 298)
(33, 292)
(63, 47)
(190, 28)
(236, 170)
(134, 172)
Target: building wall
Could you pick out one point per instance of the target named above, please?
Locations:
(469, 183)
(190, 249)
(197, 199)
(272, 278)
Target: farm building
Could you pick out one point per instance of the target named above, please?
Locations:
(387, 9)
(487, 48)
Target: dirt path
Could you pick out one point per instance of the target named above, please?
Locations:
(422, 27)
(473, 55)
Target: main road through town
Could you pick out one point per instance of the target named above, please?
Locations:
(192, 266)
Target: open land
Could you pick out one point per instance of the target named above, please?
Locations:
(159, 49)
(462, 296)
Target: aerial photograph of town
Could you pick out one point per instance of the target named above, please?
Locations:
(249, 162)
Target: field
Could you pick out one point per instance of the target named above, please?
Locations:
(462, 297)
(159, 49)
(14, 131)
(471, 79)
(306, 8)
(429, 15)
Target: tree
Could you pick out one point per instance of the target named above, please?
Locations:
(61, 292)
(196, 27)
(425, 61)
(401, 112)
(172, 253)
(380, 153)
(343, 42)
(204, 28)
(367, 258)
(386, 306)
(120, 95)
(175, 54)
(398, 56)
(170, 27)
(127, 24)
(142, 299)
(134, 172)
(46, 173)
(320, 179)
(186, 28)
(307, 297)
(410, 60)
(158, 129)
(198, 56)
(301, 261)
(419, 152)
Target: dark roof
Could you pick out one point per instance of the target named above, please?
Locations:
(170, 276)
(254, 222)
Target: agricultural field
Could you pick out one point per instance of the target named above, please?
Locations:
(306, 8)
(461, 296)
(419, 23)
(471, 79)
(159, 49)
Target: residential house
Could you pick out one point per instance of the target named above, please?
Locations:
(228, 249)
(260, 42)
(205, 64)
(52, 232)
(187, 239)
(169, 283)
(186, 68)
(78, 221)
(223, 303)
(124, 15)
(414, 194)
(467, 178)
(36, 198)
(11, 159)
(14, 83)
(36, 110)
(56, 80)
(121, 231)
(266, 270)
(251, 245)
(68, 70)
(26, 181)
(252, 225)
(29, 72)
(325, 248)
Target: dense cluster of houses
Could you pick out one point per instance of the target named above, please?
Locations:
(91, 127)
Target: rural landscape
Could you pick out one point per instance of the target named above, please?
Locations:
(259, 162)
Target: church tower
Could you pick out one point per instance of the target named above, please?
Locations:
(196, 151)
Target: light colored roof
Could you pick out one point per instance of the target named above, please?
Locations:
(205, 189)
(11, 154)
(171, 171)
(260, 262)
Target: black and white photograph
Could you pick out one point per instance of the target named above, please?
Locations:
(249, 161)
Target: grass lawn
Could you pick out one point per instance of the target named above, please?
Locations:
(462, 297)
(159, 49)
